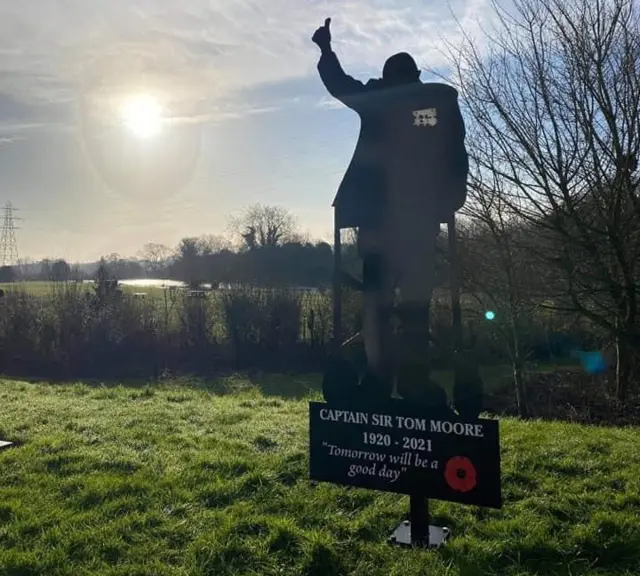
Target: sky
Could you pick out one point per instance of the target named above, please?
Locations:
(247, 118)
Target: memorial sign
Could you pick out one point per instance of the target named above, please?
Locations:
(405, 451)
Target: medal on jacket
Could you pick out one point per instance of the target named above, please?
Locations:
(426, 117)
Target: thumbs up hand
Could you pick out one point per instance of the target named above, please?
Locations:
(322, 36)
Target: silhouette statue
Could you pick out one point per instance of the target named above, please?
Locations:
(408, 174)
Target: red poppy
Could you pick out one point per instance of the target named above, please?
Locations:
(460, 474)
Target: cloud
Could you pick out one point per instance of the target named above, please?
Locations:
(329, 104)
(10, 139)
(220, 115)
(201, 55)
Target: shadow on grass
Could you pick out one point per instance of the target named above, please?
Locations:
(565, 395)
(286, 386)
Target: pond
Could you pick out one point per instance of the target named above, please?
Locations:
(166, 283)
(152, 283)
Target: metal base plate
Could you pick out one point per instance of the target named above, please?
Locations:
(4, 444)
(402, 536)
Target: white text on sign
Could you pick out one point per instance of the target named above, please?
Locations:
(403, 422)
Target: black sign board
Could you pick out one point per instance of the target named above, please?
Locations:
(397, 449)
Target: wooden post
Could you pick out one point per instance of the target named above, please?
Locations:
(337, 285)
(454, 270)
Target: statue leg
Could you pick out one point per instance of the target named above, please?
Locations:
(376, 319)
(416, 261)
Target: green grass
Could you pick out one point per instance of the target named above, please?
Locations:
(188, 479)
(42, 289)
(35, 288)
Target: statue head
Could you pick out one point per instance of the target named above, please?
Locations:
(400, 68)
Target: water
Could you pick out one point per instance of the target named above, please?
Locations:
(166, 283)
(153, 283)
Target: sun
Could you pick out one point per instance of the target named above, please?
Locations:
(142, 115)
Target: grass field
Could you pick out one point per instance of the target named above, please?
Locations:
(212, 480)
(42, 289)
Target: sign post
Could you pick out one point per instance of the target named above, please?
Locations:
(416, 531)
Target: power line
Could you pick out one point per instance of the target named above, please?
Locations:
(8, 242)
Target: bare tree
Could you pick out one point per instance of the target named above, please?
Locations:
(261, 226)
(155, 257)
(213, 243)
(554, 104)
(497, 272)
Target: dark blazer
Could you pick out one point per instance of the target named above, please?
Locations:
(399, 145)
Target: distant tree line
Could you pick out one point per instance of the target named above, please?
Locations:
(263, 247)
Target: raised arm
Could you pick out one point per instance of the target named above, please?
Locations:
(337, 82)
